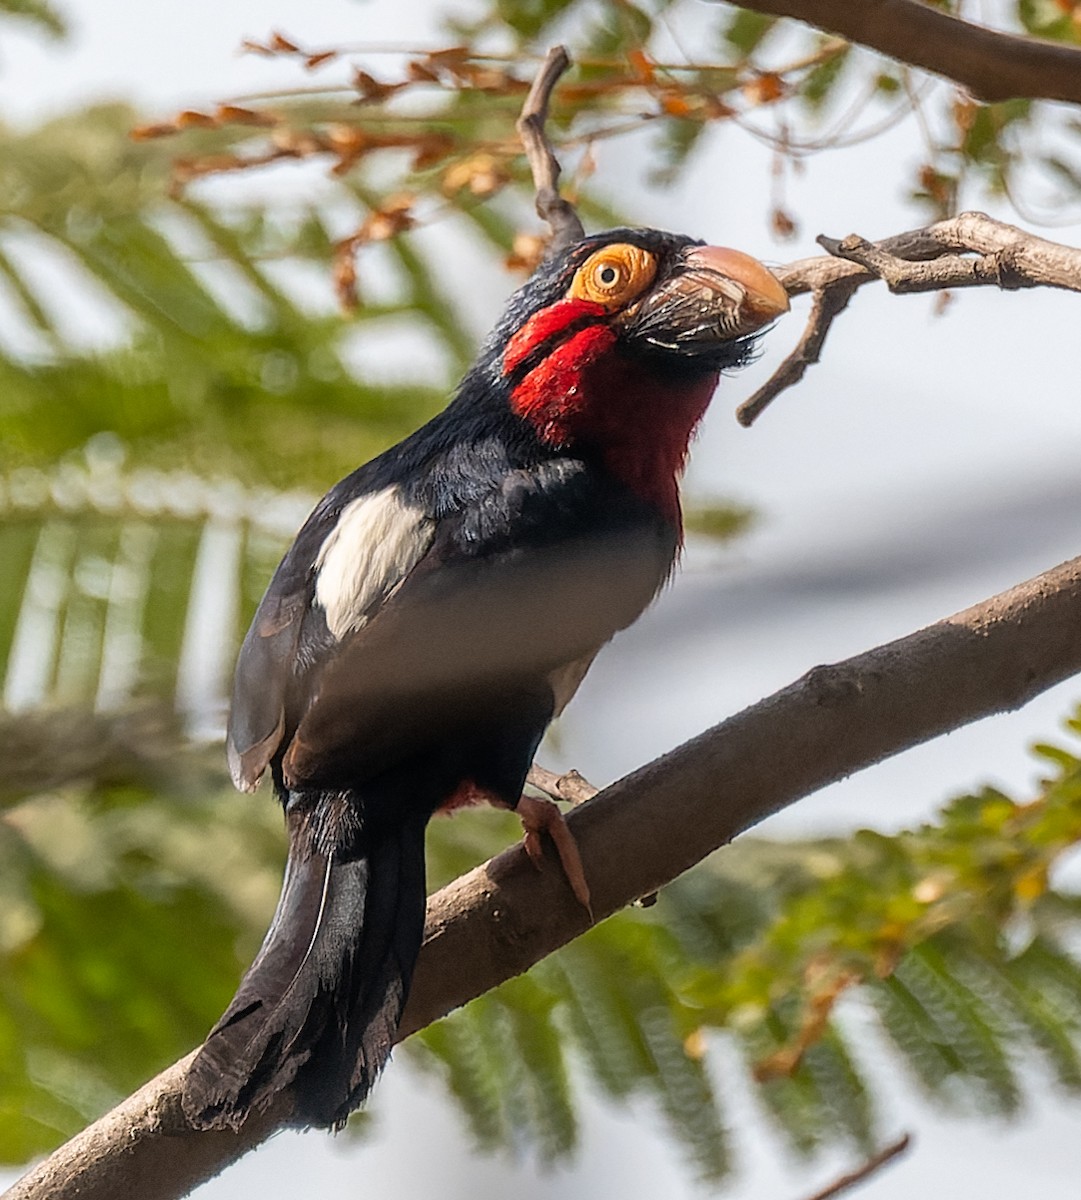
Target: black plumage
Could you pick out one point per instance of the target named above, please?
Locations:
(436, 610)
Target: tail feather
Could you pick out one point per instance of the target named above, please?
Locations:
(319, 1007)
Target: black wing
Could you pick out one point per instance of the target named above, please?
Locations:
(524, 576)
(282, 640)
(534, 579)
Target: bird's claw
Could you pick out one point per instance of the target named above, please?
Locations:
(542, 816)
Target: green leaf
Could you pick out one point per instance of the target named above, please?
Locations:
(819, 83)
(36, 12)
(965, 1024)
(1048, 19)
(928, 1056)
(747, 30)
(721, 521)
(844, 1090)
(93, 1013)
(529, 18)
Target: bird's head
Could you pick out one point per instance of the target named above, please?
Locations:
(615, 347)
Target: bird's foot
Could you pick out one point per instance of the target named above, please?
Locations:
(541, 816)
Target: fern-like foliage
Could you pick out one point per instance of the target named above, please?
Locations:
(198, 354)
(951, 940)
(951, 937)
(124, 585)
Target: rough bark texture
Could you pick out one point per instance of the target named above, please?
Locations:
(636, 836)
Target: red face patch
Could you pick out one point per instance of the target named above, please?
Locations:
(554, 393)
(639, 414)
(546, 326)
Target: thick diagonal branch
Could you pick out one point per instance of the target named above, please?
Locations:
(635, 837)
(992, 65)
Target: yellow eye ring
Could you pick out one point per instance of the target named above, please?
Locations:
(614, 276)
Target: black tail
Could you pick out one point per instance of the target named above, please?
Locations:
(319, 1008)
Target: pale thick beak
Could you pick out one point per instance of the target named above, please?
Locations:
(764, 299)
(714, 296)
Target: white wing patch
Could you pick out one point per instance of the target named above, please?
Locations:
(378, 540)
(566, 680)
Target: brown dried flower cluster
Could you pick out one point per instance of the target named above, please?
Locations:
(451, 148)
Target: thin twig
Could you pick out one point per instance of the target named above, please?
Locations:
(969, 250)
(570, 786)
(556, 211)
(875, 1163)
(829, 302)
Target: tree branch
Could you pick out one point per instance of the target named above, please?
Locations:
(865, 1170)
(636, 836)
(554, 209)
(570, 786)
(991, 65)
(921, 260)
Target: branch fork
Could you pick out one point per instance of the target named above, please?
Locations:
(969, 250)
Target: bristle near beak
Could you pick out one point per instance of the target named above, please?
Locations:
(714, 297)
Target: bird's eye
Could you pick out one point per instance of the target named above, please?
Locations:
(614, 276)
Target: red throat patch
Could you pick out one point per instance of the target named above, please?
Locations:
(546, 326)
(640, 417)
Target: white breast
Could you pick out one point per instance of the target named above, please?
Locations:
(378, 540)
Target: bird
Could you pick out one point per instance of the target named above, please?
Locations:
(438, 608)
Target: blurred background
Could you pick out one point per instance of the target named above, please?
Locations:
(179, 382)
